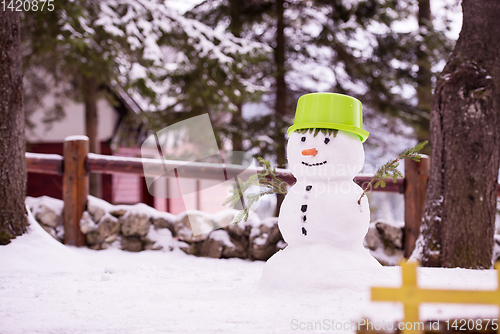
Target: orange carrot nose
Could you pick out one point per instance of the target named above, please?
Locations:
(311, 151)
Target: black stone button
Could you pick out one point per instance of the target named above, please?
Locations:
(308, 188)
(304, 232)
(304, 218)
(303, 208)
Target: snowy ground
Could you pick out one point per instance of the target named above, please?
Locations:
(46, 287)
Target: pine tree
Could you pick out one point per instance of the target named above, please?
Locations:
(315, 50)
(13, 219)
(424, 73)
(142, 48)
(321, 54)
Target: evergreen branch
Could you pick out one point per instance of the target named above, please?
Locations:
(390, 171)
(265, 179)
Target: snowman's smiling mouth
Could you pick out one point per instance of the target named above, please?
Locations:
(316, 164)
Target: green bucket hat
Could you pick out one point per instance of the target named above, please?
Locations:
(329, 111)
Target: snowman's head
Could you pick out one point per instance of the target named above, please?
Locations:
(325, 153)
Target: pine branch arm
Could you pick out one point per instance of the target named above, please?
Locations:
(391, 167)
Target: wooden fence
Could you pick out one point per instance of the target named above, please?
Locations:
(76, 164)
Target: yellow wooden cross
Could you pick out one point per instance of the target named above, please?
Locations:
(412, 296)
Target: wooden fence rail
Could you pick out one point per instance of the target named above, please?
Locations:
(412, 296)
(77, 163)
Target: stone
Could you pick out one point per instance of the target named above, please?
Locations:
(131, 244)
(270, 226)
(112, 238)
(393, 258)
(183, 229)
(49, 230)
(394, 252)
(60, 233)
(190, 248)
(219, 244)
(95, 247)
(263, 239)
(372, 238)
(86, 223)
(385, 243)
(281, 244)
(212, 248)
(260, 249)
(161, 222)
(96, 212)
(118, 213)
(238, 249)
(150, 245)
(239, 236)
(48, 217)
(93, 238)
(106, 245)
(109, 225)
(158, 239)
(391, 234)
(239, 230)
(134, 224)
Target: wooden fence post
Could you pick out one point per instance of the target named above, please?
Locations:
(75, 188)
(416, 177)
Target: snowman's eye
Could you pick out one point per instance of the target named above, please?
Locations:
(303, 139)
(327, 140)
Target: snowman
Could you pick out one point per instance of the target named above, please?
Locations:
(320, 218)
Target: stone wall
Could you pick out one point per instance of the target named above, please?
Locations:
(139, 227)
(385, 242)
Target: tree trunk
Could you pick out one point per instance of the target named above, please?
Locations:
(424, 75)
(281, 93)
(13, 220)
(237, 136)
(236, 9)
(90, 90)
(458, 223)
(236, 27)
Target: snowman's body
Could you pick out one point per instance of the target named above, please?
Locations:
(311, 216)
(320, 218)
